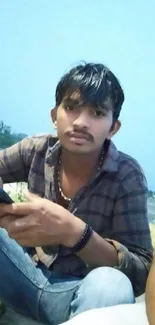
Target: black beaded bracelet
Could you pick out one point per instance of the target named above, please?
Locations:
(82, 242)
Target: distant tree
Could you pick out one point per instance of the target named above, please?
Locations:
(7, 138)
(151, 194)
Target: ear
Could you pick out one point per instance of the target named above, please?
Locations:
(114, 129)
(54, 116)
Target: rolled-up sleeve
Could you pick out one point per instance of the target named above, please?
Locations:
(132, 238)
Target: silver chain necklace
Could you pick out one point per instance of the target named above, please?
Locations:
(68, 199)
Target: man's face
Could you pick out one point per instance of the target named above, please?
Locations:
(83, 129)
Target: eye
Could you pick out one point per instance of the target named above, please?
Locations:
(99, 113)
(68, 108)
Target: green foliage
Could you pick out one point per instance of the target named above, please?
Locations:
(17, 194)
(152, 228)
(151, 194)
(2, 308)
(7, 138)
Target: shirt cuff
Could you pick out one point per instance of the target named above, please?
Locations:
(122, 251)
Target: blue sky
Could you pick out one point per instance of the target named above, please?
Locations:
(41, 39)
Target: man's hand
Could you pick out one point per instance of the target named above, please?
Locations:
(40, 222)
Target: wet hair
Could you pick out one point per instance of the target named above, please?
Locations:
(93, 84)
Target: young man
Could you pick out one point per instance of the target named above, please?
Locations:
(82, 240)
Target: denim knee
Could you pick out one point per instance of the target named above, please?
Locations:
(102, 287)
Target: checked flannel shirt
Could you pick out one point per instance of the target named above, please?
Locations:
(114, 203)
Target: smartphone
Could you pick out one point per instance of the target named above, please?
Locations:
(4, 197)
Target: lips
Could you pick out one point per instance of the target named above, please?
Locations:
(77, 135)
(78, 138)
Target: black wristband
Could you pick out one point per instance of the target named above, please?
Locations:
(82, 242)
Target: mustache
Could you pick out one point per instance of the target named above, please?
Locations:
(86, 134)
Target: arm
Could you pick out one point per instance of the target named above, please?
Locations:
(14, 161)
(150, 295)
(97, 252)
(131, 240)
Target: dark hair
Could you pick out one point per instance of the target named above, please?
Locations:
(94, 83)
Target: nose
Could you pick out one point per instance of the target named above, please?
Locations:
(82, 120)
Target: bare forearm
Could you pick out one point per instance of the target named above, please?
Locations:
(98, 252)
(150, 295)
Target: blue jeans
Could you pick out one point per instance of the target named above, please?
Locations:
(35, 292)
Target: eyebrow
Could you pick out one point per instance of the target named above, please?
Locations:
(104, 108)
(79, 102)
(72, 102)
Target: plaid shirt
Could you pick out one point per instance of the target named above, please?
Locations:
(114, 204)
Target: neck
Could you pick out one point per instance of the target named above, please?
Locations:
(82, 166)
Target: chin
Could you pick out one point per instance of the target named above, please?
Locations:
(78, 149)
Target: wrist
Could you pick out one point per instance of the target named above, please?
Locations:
(83, 240)
(75, 232)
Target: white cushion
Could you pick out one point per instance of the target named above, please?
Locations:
(129, 314)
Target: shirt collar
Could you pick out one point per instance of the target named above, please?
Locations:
(53, 151)
(111, 162)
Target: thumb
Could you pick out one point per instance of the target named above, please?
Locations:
(31, 197)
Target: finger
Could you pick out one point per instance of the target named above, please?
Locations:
(20, 225)
(23, 235)
(26, 238)
(30, 197)
(6, 221)
(18, 209)
(22, 240)
(2, 214)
